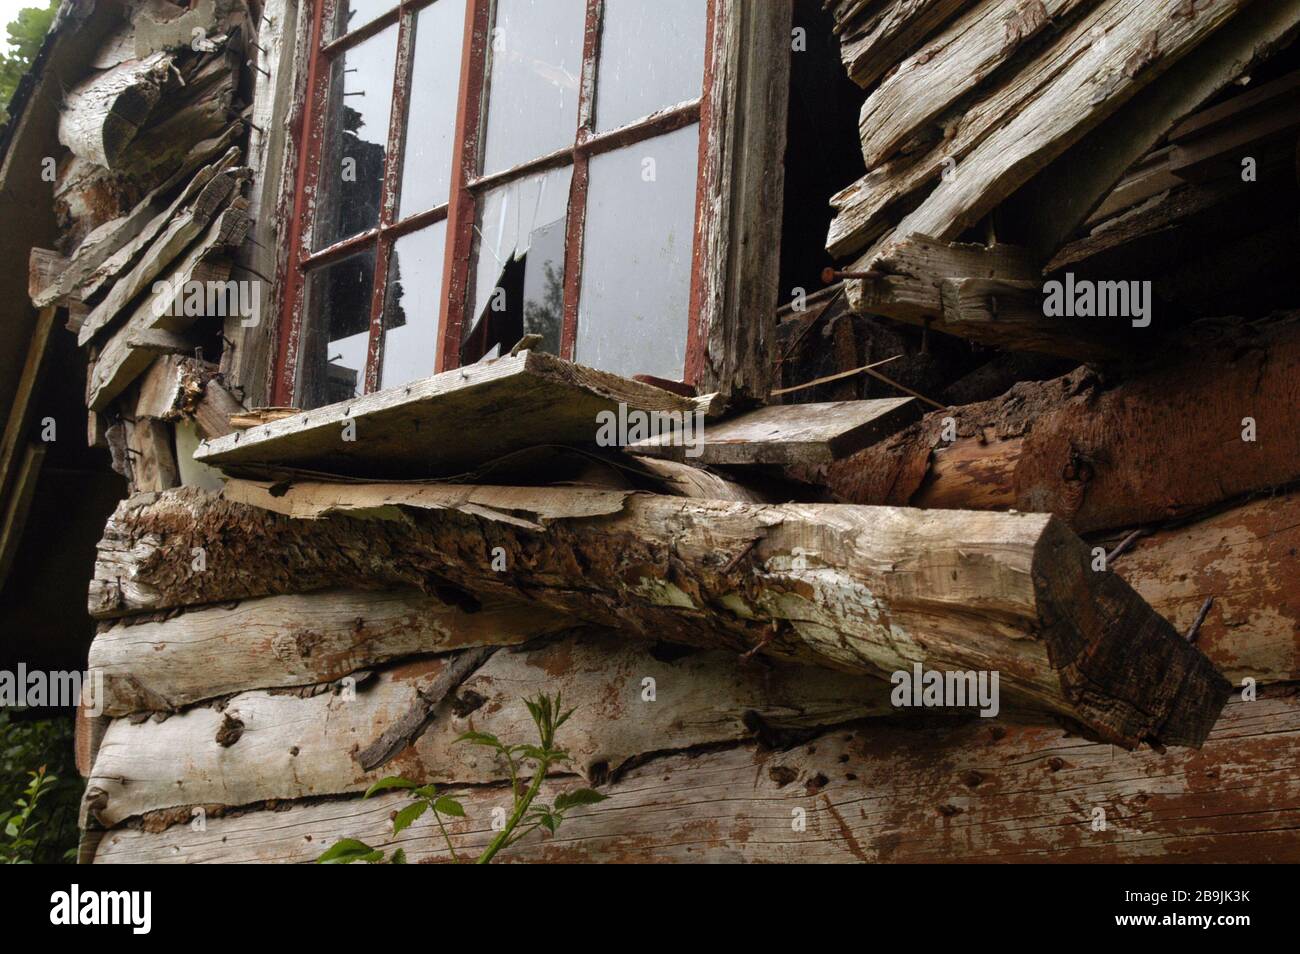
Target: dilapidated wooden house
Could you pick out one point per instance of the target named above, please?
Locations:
(730, 366)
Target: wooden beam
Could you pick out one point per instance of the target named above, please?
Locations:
(871, 590)
(742, 179)
(446, 424)
(21, 411)
(806, 434)
(292, 640)
(1244, 557)
(1004, 793)
(1076, 449)
(18, 504)
(871, 44)
(295, 745)
(101, 116)
(153, 456)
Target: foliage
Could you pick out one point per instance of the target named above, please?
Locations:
(548, 716)
(38, 791)
(26, 33)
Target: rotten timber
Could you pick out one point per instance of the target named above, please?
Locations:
(293, 640)
(1076, 449)
(975, 792)
(290, 745)
(867, 589)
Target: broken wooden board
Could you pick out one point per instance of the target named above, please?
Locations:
(808, 434)
(1072, 447)
(444, 425)
(293, 640)
(266, 744)
(870, 44)
(867, 589)
(151, 330)
(874, 793)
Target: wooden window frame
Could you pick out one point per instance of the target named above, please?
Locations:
(735, 255)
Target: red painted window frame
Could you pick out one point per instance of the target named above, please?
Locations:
(467, 185)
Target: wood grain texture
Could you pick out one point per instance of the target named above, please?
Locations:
(866, 589)
(293, 640)
(292, 747)
(976, 792)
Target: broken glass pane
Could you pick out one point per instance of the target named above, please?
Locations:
(335, 334)
(354, 14)
(636, 266)
(413, 306)
(357, 105)
(519, 276)
(651, 57)
(431, 119)
(535, 56)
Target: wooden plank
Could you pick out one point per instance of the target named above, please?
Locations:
(293, 747)
(868, 589)
(162, 251)
(936, 794)
(937, 75)
(130, 351)
(809, 434)
(446, 424)
(160, 389)
(1055, 202)
(294, 640)
(870, 47)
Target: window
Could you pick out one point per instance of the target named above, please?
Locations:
(472, 171)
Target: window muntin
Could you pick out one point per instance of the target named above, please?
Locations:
(546, 244)
(651, 58)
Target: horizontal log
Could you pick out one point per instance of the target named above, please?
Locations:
(293, 640)
(287, 746)
(101, 116)
(865, 589)
(1245, 558)
(1073, 448)
(973, 792)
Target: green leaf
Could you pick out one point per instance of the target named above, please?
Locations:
(583, 796)
(427, 791)
(346, 851)
(449, 806)
(393, 781)
(480, 738)
(407, 815)
(399, 856)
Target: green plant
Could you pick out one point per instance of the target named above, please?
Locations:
(525, 811)
(38, 807)
(26, 33)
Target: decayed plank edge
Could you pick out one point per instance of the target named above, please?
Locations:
(870, 589)
(788, 433)
(956, 793)
(293, 640)
(287, 746)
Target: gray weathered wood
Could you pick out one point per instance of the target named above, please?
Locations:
(788, 433)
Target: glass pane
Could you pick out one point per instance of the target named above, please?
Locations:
(413, 306)
(636, 266)
(651, 57)
(536, 65)
(354, 14)
(356, 136)
(332, 347)
(431, 120)
(519, 277)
